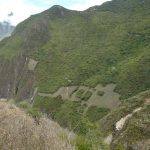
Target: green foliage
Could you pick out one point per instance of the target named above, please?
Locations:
(82, 143)
(100, 93)
(135, 132)
(69, 116)
(66, 113)
(80, 93)
(24, 104)
(134, 75)
(118, 147)
(107, 46)
(81, 109)
(34, 112)
(92, 141)
(86, 96)
(136, 128)
(48, 105)
(94, 113)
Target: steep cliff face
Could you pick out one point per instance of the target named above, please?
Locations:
(17, 78)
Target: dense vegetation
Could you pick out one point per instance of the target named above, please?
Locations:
(104, 44)
(136, 130)
(94, 113)
(70, 115)
(67, 113)
(99, 45)
(82, 95)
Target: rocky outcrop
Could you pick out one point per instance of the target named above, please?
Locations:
(16, 78)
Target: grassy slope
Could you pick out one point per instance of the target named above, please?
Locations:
(70, 115)
(21, 131)
(109, 44)
(136, 129)
(95, 46)
(99, 122)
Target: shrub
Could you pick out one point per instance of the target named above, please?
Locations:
(48, 105)
(119, 147)
(69, 116)
(24, 104)
(81, 109)
(94, 113)
(80, 93)
(82, 143)
(34, 112)
(86, 96)
(100, 93)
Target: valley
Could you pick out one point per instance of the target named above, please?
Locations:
(82, 77)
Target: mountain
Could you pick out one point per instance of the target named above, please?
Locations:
(126, 127)
(83, 69)
(104, 44)
(5, 29)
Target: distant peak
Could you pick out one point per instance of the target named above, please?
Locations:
(57, 10)
(57, 7)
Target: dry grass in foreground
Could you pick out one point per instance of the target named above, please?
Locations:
(18, 131)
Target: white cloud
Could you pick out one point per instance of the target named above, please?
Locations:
(22, 9)
(87, 4)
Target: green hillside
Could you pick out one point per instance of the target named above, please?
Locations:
(136, 130)
(80, 68)
(97, 123)
(104, 44)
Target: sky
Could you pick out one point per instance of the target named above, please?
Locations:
(16, 11)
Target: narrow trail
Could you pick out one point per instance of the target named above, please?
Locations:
(119, 125)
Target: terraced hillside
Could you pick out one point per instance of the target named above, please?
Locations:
(99, 96)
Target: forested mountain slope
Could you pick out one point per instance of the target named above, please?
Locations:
(104, 44)
(74, 66)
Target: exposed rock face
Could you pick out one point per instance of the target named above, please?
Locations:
(17, 78)
(122, 121)
(32, 64)
(108, 139)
